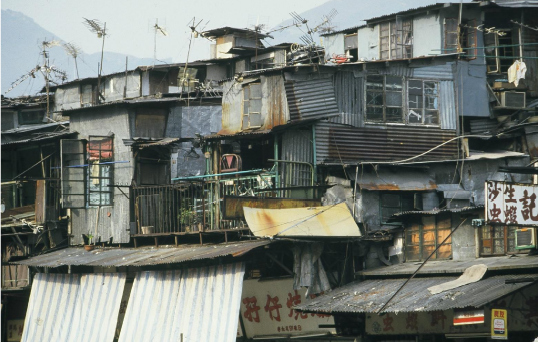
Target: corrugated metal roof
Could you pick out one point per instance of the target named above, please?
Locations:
(311, 99)
(400, 180)
(328, 221)
(370, 295)
(31, 128)
(162, 142)
(516, 3)
(107, 257)
(200, 304)
(503, 263)
(438, 211)
(63, 306)
(40, 137)
(408, 11)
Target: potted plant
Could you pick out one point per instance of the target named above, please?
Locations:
(89, 246)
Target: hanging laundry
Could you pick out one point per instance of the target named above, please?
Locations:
(516, 72)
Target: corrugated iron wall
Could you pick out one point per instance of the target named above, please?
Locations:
(349, 90)
(202, 304)
(296, 146)
(438, 72)
(447, 105)
(345, 144)
(68, 307)
(274, 107)
(311, 99)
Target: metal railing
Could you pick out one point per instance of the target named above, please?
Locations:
(194, 205)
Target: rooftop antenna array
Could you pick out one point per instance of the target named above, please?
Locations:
(157, 29)
(194, 33)
(96, 27)
(46, 70)
(74, 51)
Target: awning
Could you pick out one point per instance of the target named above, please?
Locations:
(200, 304)
(401, 180)
(327, 221)
(369, 296)
(67, 307)
(108, 257)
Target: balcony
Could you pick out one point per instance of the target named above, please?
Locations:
(195, 204)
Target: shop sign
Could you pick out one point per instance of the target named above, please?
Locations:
(267, 310)
(511, 203)
(499, 328)
(468, 317)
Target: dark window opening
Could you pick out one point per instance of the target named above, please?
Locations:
(31, 117)
(153, 166)
(384, 99)
(392, 203)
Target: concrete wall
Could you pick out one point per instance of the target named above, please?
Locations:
(67, 97)
(216, 72)
(368, 43)
(113, 86)
(427, 31)
(334, 44)
(113, 220)
(463, 240)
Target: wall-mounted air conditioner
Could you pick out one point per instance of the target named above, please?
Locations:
(513, 99)
(526, 238)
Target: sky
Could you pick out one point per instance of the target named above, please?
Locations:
(130, 23)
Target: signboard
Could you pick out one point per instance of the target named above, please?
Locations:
(499, 328)
(14, 329)
(266, 310)
(468, 317)
(511, 203)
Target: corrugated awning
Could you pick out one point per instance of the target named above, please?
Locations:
(401, 180)
(162, 142)
(108, 257)
(369, 296)
(327, 221)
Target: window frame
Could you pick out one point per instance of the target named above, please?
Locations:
(464, 34)
(105, 176)
(384, 106)
(423, 109)
(247, 103)
(396, 39)
(511, 38)
(508, 240)
(439, 231)
(400, 208)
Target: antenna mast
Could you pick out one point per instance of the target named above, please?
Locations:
(95, 26)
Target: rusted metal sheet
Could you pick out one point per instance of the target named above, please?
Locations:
(328, 221)
(370, 295)
(345, 144)
(311, 99)
(163, 142)
(117, 257)
(274, 107)
(233, 205)
(40, 201)
(401, 180)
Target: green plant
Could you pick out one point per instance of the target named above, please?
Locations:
(89, 236)
(186, 216)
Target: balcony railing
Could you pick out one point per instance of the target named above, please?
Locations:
(194, 205)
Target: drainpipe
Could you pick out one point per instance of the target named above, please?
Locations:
(314, 160)
(275, 148)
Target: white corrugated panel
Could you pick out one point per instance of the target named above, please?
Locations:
(202, 304)
(68, 307)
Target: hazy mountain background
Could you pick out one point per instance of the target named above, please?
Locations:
(22, 37)
(21, 52)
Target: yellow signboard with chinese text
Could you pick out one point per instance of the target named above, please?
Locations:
(499, 327)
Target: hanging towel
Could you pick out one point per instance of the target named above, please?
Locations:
(516, 72)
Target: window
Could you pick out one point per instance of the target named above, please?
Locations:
(467, 37)
(31, 117)
(392, 203)
(501, 50)
(422, 238)
(100, 151)
(423, 102)
(498, 240)
(252, 105)
(396, 39)
(384, 98)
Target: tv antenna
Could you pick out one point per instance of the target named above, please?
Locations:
(96, 27)
(45, 69)
(74, 51)
(157, 29)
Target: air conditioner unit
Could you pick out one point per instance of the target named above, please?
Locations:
(526, 238)
(513, 99)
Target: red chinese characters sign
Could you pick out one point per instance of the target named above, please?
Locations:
(511, 203)
(267, 309)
